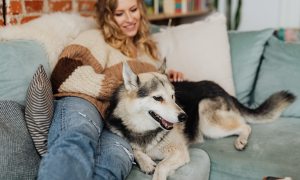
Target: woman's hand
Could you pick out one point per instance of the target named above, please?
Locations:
(175, 76)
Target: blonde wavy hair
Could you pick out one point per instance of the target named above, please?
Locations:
(114, 36)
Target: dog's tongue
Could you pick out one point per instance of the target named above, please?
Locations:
(167, 124)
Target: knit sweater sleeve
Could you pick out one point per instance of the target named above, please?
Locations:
(80, 68)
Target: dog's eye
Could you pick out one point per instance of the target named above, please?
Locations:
(158, 98)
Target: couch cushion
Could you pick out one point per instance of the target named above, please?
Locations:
(197, 168)
(280, 70)
(18, 157)
(273, 150)
(200, 50)
(246, 52)
(19, 60)
(39, 109)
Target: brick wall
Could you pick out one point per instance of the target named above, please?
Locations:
(1, 13)
(22, 11)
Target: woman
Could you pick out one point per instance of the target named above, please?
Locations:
(86, 74)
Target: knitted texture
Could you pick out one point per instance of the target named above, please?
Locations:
(18, 156)
(109, 85)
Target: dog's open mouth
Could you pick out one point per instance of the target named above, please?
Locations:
(165, 124)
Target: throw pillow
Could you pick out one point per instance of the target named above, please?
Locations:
(280, 70)
(200, 50)
(246, 52)
(18, 157)
(19, 60)
(39, 109)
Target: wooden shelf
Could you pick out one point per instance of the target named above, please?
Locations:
(159, 17)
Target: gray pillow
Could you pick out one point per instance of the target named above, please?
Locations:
(39, 109)
(280, 70)
(246, 50)
(18, 157)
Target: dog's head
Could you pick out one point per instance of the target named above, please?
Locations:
(147, 101)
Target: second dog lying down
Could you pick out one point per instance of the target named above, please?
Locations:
(217, 114)
(144, 111)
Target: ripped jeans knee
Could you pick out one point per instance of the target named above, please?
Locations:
(115, 157)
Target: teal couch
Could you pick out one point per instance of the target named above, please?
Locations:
(261, 63)
(274, 148)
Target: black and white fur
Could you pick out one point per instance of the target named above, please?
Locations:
(144, 111)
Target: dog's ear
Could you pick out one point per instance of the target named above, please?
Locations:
(163, 67)
(130, 78)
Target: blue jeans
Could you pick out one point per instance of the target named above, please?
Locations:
(79, 147)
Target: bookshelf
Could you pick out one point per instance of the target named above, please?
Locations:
(177, 18)
(163, 16)
(160, 11)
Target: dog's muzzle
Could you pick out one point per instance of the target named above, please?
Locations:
(164, 123)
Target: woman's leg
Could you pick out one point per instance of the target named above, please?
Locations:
(72, 141)
(114, 158)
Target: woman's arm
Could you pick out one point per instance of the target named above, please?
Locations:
(83, 79)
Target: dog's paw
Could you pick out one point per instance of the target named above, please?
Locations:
(148, 167)
(159, 175)
(240, 143)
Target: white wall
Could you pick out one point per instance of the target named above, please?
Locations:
(290, 14)
(260, 14)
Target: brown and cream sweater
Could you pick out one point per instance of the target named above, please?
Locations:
(92, 69)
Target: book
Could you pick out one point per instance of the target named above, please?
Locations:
(169, 6)
(149, 6)
(178, 6)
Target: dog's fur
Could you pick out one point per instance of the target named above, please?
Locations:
(144, 111)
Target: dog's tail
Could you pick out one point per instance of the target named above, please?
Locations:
(269, 110)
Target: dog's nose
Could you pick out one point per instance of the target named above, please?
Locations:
(182, 117)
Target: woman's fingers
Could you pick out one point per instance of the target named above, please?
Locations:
(175, 76)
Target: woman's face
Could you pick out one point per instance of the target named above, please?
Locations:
(127, 16)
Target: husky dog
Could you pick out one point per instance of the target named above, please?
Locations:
(145, 112)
